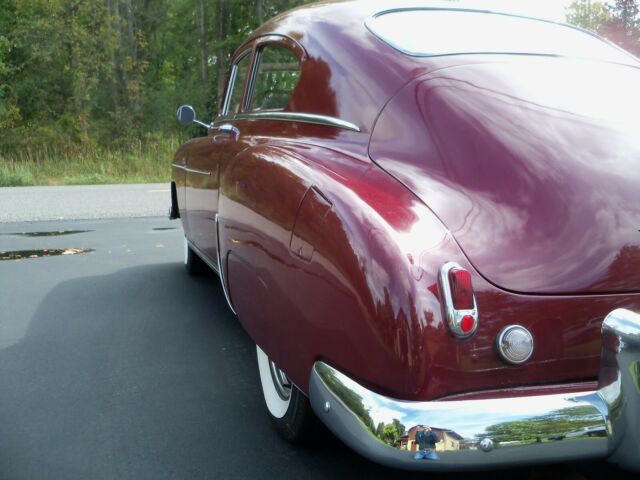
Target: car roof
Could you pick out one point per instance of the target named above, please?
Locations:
(361, 71)
(341, 25)
(354, 13)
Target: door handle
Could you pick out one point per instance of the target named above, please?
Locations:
(229, 129)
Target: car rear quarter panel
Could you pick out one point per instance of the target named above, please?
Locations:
(330, 258)
(345, 301)
(367, 299)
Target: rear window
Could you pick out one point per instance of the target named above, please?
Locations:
(433, 32)
(276, 79)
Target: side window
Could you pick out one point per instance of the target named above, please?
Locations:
(238, 75)
(276, 78)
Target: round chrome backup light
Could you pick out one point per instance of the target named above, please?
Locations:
(515, 344)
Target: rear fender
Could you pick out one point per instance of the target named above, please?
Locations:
(330, 258)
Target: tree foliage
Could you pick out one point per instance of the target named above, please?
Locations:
(553, 426)
(618, 20)
(588, 14)
(108, 71)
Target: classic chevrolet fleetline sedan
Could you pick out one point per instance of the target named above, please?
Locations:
(427, 218)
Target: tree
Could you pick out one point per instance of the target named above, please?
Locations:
(9, 112)
(619, 21)
(624, 25)
(552, 426)
(113, 72)
(592, 15)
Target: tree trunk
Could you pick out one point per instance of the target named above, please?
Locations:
(221, 64)
(260, 11)
(134, 86)
(204, 54)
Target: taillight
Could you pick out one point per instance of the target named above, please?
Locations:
(461, 289)
(459, 303)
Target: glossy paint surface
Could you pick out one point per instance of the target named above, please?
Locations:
(533, 165)
(330, 257)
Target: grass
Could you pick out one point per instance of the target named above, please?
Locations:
(147, 161)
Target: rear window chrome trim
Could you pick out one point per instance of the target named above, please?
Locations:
(370, 27)
(291, 117)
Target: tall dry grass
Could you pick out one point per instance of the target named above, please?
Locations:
(137, 161)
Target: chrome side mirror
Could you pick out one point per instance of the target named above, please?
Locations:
(187, 115)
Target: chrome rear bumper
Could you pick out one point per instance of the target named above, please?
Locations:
(496, 433)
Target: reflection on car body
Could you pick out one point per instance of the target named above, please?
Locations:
(426, 217)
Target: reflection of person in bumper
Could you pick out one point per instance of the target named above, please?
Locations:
(426, 440)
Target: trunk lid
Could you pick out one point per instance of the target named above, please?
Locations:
(533, 164)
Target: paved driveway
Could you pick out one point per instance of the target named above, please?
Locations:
(116, 364)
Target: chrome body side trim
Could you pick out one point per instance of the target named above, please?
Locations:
(198, 171)
(489, 433)
(291, 117)
(223, 279)
(191, 170)
(454, 317)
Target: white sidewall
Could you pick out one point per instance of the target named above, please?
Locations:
(186, 251)
(277, 407)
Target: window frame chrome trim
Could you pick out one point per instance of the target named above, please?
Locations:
(256, 68)
(232, 80)
(290, 117)
(252, 77)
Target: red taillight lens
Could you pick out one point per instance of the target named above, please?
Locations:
(467, 324)
(461, 289)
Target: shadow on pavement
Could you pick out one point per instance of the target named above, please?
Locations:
(145, 373)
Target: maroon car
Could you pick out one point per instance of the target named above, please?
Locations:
(427, 218)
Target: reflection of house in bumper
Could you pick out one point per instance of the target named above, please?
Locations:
(501, 432)
(449, 440)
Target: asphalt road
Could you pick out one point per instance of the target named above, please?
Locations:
(24, 204)
(114, 363)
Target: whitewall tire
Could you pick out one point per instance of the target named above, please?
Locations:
(287, 406)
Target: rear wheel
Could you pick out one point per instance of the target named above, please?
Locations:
(192, 262)
(287, 406)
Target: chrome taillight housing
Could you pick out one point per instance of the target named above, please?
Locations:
(458, 300)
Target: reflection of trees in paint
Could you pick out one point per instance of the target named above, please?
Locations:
(390, 433)
(557, 425)
(634, 369)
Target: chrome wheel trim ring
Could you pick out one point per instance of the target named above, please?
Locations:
(280, 381)
(276, 404)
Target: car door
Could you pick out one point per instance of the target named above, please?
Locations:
(263, 183)
(203, 166)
